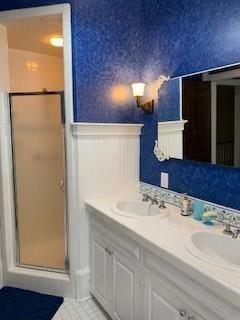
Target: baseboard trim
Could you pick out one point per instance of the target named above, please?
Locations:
(83, 287)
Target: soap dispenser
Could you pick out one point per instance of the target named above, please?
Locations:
(185, 210)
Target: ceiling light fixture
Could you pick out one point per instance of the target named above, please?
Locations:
(56, 41)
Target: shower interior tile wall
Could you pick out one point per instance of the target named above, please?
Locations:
(31, 71)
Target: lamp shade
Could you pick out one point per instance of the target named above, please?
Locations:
(138, 89)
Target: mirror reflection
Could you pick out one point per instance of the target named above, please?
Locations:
(211, 106)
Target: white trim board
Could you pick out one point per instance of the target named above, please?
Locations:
(170, 138)
(171, 126)
(34, 12)
(106, 129)
(205, 71)
(224, 75)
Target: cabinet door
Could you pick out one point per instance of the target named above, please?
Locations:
(100, 269)
(161, 304)
(126, 284)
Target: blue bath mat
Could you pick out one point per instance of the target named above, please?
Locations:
(18, 304)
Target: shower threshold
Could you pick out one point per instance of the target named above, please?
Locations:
(42, 268)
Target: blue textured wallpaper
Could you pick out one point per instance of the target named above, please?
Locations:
(106, 49)
(186, 36)
(168, 107)
(182, 37)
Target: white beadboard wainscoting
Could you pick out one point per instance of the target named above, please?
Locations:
(107, 164)
(170, 138)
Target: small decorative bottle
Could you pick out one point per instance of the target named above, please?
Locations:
(185, 210)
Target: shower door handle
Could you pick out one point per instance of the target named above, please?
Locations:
(62, 185)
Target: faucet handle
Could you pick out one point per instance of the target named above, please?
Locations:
(235, 233)
(154, 199)
(182, 312)
(145, 197)
(162, 205)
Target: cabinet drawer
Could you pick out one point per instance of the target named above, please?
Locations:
(161, 304)
(116, 240)
(181, 285)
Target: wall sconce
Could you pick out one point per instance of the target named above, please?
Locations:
(138, 92)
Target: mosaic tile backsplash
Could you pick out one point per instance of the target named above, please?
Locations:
(224, 215)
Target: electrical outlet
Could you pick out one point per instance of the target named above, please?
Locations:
(164, 180)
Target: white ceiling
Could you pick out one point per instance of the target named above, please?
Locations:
(32, 34)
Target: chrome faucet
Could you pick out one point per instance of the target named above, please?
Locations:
(162, 205)
(235, 233)
(228, 230)
(154, 200)
(146, 198)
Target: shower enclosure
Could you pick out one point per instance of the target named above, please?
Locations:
(37, 121)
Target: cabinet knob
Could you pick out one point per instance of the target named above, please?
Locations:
(183, 312)
(110, 252)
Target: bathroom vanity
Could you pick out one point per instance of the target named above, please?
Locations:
(142, 268)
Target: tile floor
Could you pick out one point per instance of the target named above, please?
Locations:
(73, 310)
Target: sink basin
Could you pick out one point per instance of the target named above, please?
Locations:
(216, 249)
(138, 209)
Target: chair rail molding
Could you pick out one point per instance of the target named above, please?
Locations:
(106, 129)
(170, 138)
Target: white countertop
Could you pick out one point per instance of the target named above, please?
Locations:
(165, 237)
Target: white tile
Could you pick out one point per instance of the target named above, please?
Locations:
(73, 310)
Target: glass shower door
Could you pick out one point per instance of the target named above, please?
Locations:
(39, 175)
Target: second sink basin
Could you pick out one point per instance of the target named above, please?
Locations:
(138, 209)
(217, 249)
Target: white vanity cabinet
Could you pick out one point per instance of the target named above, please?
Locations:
(133, 283)
(114, 278)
